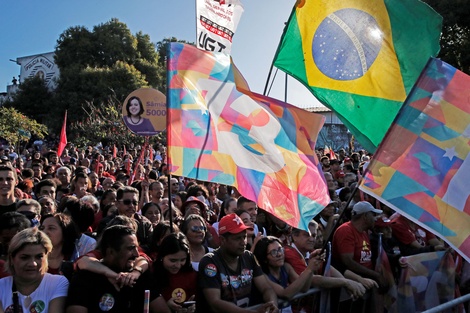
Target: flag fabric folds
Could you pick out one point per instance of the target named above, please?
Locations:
(386, 302)
(219, 132)
(427, 280)
(359, 58)
(63, 137)
(421, 168)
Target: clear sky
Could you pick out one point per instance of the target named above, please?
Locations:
(31, 27)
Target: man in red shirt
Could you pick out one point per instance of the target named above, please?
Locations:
(351, 244)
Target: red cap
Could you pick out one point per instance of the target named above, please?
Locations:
(232, 224)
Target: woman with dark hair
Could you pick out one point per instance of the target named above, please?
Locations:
(173, 272)
(80, 184)
(180, 198)
(134, 120)
(160, 231)
(63, 233)
(153, 212)
(195, 230)
(285, 282)
(30, 288)
(228, 206)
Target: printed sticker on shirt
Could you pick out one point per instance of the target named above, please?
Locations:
(179, 295)
(246, 276)
(37, 306)
(106, 302)
(210, 270)
(235, 281)
(224, 279)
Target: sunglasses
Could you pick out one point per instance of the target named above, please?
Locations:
(276, 252)
(198, 228)
(129, 202)
(29, 215)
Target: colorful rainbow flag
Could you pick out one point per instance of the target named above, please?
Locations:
(219, 132)
(421, 169)
(360, 58)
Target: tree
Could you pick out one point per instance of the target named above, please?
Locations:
(104, 124)
(16, 127)
(455, 38)
(34, 100)
(103, 66)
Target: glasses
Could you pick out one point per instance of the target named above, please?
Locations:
(198, 228)
(276, 252)
(175, 184)
(29, 215)
(129, 202)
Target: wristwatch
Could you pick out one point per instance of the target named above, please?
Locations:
(138, 269)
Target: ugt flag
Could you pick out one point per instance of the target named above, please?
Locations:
(360, 58)
(219, 133)
(421, 169)
(217, 22)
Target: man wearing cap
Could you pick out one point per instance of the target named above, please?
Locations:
(351, 244)
(227, 276)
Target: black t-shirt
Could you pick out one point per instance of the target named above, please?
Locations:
(97, 294)
(234, 286)
(8, 208)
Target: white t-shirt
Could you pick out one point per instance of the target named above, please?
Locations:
(51, 287)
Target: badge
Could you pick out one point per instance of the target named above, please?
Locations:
(37, 306)
(234, 281)
(179, 295)
(106, 302)
(210, 270)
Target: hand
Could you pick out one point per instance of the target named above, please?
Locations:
(356, 290)
(368, 283)
(269, 307)
(439, 248)
(173, 305)
(114, 280)
(128, 279)
(315, 262)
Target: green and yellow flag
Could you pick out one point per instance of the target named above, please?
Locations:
(360, 58)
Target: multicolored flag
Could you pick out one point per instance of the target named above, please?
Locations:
(63, 137)
(386, 302)
(219, 132)
(359, 58)
(217, 23)
(427, 280)
(421, 168)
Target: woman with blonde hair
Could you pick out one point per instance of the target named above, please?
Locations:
(30, 288)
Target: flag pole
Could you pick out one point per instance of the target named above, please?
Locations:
(168, 165)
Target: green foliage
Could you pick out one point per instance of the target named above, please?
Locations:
(455, 38)
(34, 100)
(116, 63)
(16, 127)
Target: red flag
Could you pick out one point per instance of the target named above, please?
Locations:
(114, 151)
(332, 154)
(63, 137)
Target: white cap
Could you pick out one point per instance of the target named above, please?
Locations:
(364, 207)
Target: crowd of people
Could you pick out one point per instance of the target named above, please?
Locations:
(96, 230)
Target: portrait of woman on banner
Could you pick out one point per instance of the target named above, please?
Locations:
(135, 120)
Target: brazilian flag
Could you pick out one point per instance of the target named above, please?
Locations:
(360, 58)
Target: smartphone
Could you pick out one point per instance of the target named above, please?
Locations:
(187, 304)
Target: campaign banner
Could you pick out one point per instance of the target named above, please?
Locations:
(217, 21)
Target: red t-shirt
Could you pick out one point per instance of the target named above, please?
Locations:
(402, 231)
(181, 287)
(295, 259)
(347, 239)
